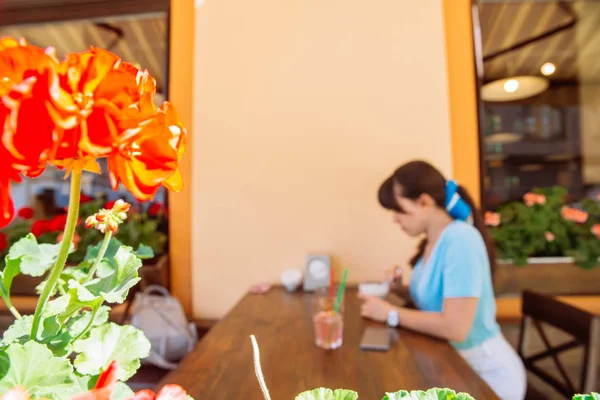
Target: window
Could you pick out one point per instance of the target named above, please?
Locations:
(540, 97)
(140, 39)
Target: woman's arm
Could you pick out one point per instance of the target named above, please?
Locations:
(453, 323)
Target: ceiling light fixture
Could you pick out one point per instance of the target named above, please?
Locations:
(511, 85)
(548, 69)
(513, 88)
(503, 138)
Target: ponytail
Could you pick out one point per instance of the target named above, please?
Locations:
(478, 222)
(476, 218)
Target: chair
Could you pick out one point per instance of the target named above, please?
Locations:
(581, 325)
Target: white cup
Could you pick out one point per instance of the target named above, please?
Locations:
(374, 289)
(291, 279)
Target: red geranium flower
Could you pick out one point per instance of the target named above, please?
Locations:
(109, 204)
(149, 156)
(58, 223)
(40, 227)
(84, 198)
(154, 209)
(3, 242)
(168, 392)
(104, 386)
(25, 213)
(92, 105)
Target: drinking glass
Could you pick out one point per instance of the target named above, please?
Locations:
(328, 325)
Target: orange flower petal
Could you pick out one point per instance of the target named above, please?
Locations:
(171, 392)
(149, 155)
(18, 61)
(7, 209)
(84, 72)
(174, 182)
(28, 128)
(8, 42)
(145, 394)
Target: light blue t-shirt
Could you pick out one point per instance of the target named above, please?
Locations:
(458, 267)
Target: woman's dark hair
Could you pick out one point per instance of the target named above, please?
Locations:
(419, 177)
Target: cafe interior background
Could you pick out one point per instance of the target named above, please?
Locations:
(298, 109)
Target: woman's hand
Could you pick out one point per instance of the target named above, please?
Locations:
(393, 274)
(375, 308)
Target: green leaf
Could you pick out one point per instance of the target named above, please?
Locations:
(34, 367)
(34, 259)
(110, 342)
(105, 268)
(52, 335)
(401, 395)
(78, 323)
(57, 306)
(593, 396)
(114, 287)
(11, 270)
(327, 394)
(76, 303)
(51, 326)
(113, 246)
(19, 330)
(4, 364)
(144, 252)
(82, 293)
(431, 394)
(121, 392)
(85, 382)
(59, 344)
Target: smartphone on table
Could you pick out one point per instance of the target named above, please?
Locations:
(376, 338)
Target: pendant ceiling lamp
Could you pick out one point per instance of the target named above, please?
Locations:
(522, 87)
(514, 88)
(503, 138)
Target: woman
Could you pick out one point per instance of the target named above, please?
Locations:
(451, 281)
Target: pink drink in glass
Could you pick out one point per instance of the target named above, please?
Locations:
(329, 329)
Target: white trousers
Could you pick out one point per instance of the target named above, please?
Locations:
(499, 366)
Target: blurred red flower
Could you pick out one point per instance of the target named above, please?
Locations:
(3, 242)
(25, 213)
(58, 223)
(154, 209)
(39, 227)
(84, 198)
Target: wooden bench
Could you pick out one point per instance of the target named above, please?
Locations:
(508, 309)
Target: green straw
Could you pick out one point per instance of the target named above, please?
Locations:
(338, 300)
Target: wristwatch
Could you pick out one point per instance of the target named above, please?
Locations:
(392, 318)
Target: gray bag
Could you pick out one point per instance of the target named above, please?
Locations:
(160, 316)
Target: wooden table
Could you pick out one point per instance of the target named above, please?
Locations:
(221, 366)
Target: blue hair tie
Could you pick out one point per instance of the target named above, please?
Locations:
(455, 205)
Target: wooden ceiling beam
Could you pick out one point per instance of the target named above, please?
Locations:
(18, 12)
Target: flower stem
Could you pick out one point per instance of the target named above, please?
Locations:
(65, 246)
(11, 308)
(100, 256)
(258, 370)
(90, 324)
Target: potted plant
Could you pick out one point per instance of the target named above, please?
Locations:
(140, 231)
(70, 114)
(547, 244)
